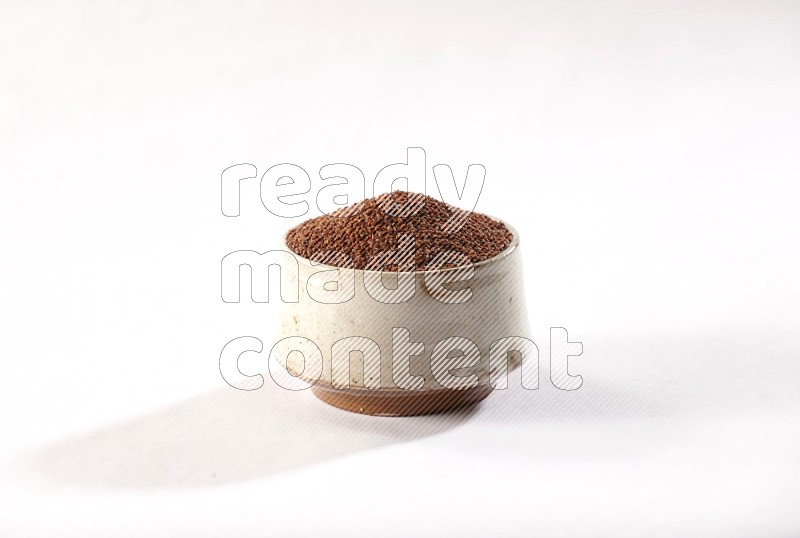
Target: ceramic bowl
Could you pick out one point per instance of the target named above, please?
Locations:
(428, 353)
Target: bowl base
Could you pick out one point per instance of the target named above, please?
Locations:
(399, 403)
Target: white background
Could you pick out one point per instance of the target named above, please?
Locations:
(646, 151)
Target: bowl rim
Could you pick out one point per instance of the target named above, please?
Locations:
(510, 248)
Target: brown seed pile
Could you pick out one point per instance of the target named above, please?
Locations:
(356, 236)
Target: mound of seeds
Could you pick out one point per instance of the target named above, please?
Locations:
(357, 235)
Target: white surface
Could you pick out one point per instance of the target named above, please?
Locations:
(647, 153)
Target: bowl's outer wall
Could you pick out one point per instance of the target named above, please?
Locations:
(496, 309)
